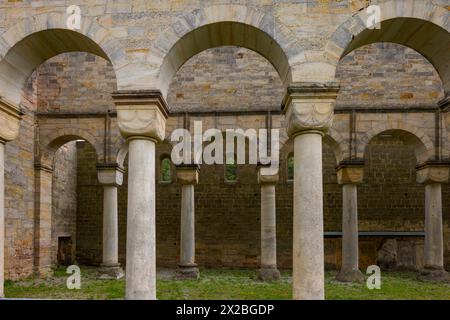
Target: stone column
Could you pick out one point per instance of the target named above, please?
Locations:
(309, 113)
(10, 117)
(349, 175)
(187, 176)
(432, 175)
(141, 116)
(267, 178)
(43, 176)
(110, 176)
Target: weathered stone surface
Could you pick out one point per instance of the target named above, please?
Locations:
(433, 173)
(372, 76)
(387, 255)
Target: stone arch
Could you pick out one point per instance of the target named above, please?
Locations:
(221, 25)
(338, 143)
(33, 40)
(417, 24)
(51, 143)
(423, 145)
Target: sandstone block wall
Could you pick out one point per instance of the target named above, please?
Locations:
(71, 95)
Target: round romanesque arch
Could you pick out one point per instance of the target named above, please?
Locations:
(423, 145)
(49, 144)
(33, 40)
(222, 25)
(417, 24)
(338, 143)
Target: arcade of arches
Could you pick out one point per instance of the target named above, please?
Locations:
(86, 117)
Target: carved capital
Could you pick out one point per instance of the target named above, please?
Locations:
(310, 107)
(187, 174)
(110, 174)
(433, 172)
(350, 172)
(10, 116)
(141, 114)
(267, 175)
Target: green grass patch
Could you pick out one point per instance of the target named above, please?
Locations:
(224, 284)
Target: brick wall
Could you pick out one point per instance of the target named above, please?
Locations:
(380, 75)
(89, 207)
(64, 212)
(226, 79)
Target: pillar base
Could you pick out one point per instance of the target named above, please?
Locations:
(268, 274)
(350, 275)
(190, 272)
(435, 275)
(114, 272)
(43, 272)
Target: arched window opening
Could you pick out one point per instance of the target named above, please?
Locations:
(230, 169)
(166, 170)
(290, 167)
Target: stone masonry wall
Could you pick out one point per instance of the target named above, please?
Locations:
(222, 79)
(19, 192)
(64, 195)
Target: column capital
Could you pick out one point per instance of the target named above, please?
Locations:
(433, 172)
(309, 107)
(267, 175)
(187, 174)
(10, 116)
(110, 174)
(141, 113)
(350, 172)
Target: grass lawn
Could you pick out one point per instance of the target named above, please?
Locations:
(223, 284)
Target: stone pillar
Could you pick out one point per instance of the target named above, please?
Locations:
(141, 116)
(309, 113)
(43, 176)
(10, 117)
(432, 175)
(110, 176)
(187, 176)
(349, 175)
(267, 178)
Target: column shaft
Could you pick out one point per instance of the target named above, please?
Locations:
(141, 268)
(110, 227)
(43, 220)
(350, 253)
(308, 259)
(187, 245)
(2, 218)
(268, 227)
(434, 252)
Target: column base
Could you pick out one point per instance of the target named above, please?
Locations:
(114, 272)
(268, 274)
(43, 272)
(350, 275)
(434, 274)
(187, 272)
